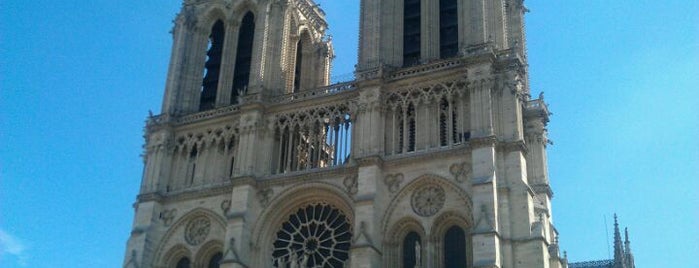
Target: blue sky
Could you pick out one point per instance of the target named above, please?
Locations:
(77, 79)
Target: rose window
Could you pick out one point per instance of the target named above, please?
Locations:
(315, 236)
(197, 230)
(428, 200)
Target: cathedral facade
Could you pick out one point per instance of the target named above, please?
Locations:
(434, 155)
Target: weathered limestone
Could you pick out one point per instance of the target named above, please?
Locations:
(372, 172)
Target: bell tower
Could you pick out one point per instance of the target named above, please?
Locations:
(225, 50)
(434, 155)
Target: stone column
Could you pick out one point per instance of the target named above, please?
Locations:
(258, 50)
(366, 241)
(485, 235)
(369, 34)
(139, 248)
(193, 73)
(238, 228)
(475, 30)
(429, 30)
(274, 41)
(157, 161)
(173, 82)
(230, 51)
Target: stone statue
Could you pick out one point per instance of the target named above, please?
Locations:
(417, 254)
(304, 261)
(281, 262)
(293, 261)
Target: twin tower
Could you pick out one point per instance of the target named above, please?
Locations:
(434, 155)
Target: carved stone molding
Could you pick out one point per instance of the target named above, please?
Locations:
(393, 181)
(168, 216)
(197, 230)
(428, 200)
(351, 184)
(460, 171)
(264, 195)
(483, 142)
(225, 206)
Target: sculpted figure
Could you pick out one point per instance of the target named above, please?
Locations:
(417, 254)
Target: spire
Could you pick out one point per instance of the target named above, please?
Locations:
(618, 247)
(627, 247)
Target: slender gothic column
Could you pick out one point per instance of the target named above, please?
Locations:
(429, 36)
(223, 96)
(369, 34)
(256, 68)
(484, 182)
(274, 39)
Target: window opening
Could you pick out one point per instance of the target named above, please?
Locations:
(183, 263)
(212, 67)
(411, 127)
(448, 29)
(243, 60)
(215, 261)
(412, 250)
(443, 119)
(411, 32)
(193, 163)
(299, 64)
(455, 247)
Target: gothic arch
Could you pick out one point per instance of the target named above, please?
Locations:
(285, 204)
(173, 255)
(173, 246)
(207, 250)
(241, 8)
(393, 241)
(442, 224)
(389, 218)
(211, 16)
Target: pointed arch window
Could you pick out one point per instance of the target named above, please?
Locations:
(412, 250)
(243, 60)
(212, 67)
(448, 29)
(455, 247)
(299, 65)
(184, 262)
(215, 261)
(411, 32)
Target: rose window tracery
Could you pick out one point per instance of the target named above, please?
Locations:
(197, 230)
(318, 235)
(428, 200)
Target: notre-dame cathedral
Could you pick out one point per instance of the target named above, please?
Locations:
(434, 155)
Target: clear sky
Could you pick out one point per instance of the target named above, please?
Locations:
(77, 79)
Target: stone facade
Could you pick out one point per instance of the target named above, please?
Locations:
(256, 161)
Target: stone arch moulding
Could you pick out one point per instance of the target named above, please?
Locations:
(206, 251)
(168, 242)
(441, 224)
(393, 239)
(241, 8)
(423, 180)
(173, 255)
(211, 15)
(286, 203)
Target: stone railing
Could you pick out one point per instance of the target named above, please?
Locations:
(314, 14)
(178, 120)
(424, 68)
(537, 107)
(537, 104)
(314, 93)
(207, 114)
